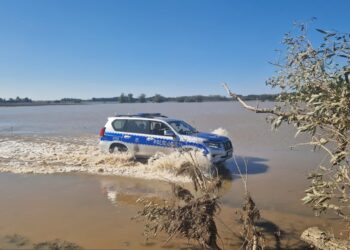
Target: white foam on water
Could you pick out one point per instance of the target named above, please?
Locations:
(172, 162)
(220, 131)
(63, 155)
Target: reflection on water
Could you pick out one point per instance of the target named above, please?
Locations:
(109, 190)
(120, 191)
(248, 165)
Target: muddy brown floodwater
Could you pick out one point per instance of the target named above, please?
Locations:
(80, 203)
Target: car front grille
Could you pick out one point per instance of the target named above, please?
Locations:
(227, 145)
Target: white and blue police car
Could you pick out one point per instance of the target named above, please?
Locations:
(145, 134)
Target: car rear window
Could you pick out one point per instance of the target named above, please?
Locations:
(119, 125)
(137, 126)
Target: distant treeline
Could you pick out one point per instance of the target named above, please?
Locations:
(17, 100)
(129, 98)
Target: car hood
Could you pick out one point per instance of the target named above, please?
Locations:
(207, 137)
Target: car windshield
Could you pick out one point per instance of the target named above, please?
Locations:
(182, 127)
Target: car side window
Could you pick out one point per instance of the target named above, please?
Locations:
(119, 125)
(137, 126)
(158, 128)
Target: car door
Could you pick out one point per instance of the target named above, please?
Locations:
(135, 135)
(157, 141)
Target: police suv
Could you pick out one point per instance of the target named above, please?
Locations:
(145, 134)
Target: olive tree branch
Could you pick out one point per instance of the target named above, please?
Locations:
(251, 108)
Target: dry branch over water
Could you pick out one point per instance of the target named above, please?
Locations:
(190, 214)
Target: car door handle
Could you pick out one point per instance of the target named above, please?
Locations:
(150, 139)
(127, 136)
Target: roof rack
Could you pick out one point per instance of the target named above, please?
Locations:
(146, 115)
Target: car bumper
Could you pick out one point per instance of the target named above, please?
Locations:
(104, 146)
(218, 157)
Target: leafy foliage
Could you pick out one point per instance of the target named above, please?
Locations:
(315, 97)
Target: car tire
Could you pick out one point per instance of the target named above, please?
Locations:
(117, 148)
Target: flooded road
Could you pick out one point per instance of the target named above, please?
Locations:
(94, 210)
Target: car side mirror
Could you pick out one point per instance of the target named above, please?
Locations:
(169, 133)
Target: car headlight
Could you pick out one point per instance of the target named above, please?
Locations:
(213, 145)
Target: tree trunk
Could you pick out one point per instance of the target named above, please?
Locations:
(323, 240)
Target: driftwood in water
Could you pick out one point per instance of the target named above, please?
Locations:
(323, 240)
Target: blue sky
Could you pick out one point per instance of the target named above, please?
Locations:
(54, 49)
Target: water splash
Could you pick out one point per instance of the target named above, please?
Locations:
(46, 155)
(220, 131)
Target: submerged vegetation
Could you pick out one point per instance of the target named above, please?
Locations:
(252, 236)
(16, 241)
(56, 245)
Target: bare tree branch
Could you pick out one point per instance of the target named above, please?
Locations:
(251, 108)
